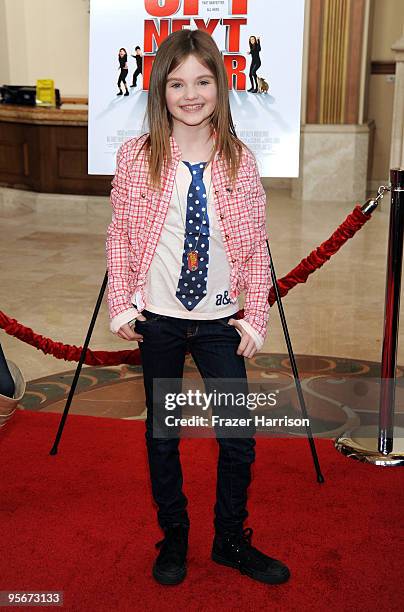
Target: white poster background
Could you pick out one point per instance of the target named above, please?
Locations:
(268, 123)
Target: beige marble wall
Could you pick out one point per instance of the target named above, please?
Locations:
(334, 141)
(47, 39)
(397, 131)
(333, 163)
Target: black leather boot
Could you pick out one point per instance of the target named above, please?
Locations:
(235, 550)
(170, 566)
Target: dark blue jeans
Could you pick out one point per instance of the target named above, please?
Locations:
(213, 345)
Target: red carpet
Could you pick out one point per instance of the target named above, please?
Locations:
(83, 522)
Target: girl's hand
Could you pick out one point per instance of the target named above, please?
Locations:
(247, 347)
(126, 332)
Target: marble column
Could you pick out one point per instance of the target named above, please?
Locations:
(397, 132)
(334, 135)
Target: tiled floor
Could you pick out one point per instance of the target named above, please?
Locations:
(53, 263)
(339, 393)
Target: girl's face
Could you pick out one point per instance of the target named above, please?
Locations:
(122, 52)
(253, 40)
(191, 92)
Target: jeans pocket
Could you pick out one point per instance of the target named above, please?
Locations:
(225, 322)
(151, 317)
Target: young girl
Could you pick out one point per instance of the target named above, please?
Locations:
(187, 235)
(123, 67)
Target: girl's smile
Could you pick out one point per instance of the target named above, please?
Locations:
(193, 108)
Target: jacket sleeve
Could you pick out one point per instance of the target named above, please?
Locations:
(121, 309)
(256, 270)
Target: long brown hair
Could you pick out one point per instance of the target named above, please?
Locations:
(173, 51)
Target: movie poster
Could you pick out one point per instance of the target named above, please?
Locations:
(125, 36)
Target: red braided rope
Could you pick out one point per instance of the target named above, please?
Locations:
(355, 220)
(66, 351)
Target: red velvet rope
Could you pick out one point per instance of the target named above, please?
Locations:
(355, 220)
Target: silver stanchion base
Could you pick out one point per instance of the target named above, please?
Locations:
(362, 444)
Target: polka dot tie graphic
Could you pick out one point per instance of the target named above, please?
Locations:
(192, 283)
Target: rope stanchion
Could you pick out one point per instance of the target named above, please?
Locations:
(54, 448)
(317, 258)
(385, 446)
(345, 231)
(320, 477)
(299, 274)
(67, 352)
(354, 222)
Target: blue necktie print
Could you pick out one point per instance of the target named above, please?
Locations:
(192, 285)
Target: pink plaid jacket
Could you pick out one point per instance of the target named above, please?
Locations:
(138, 217)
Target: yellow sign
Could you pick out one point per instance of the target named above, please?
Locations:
(45, 92)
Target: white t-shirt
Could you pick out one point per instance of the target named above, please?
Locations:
(165, 269)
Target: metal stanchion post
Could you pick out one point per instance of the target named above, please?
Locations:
(392, 313)
(320, 477)
(69, 400)
(385, 445)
